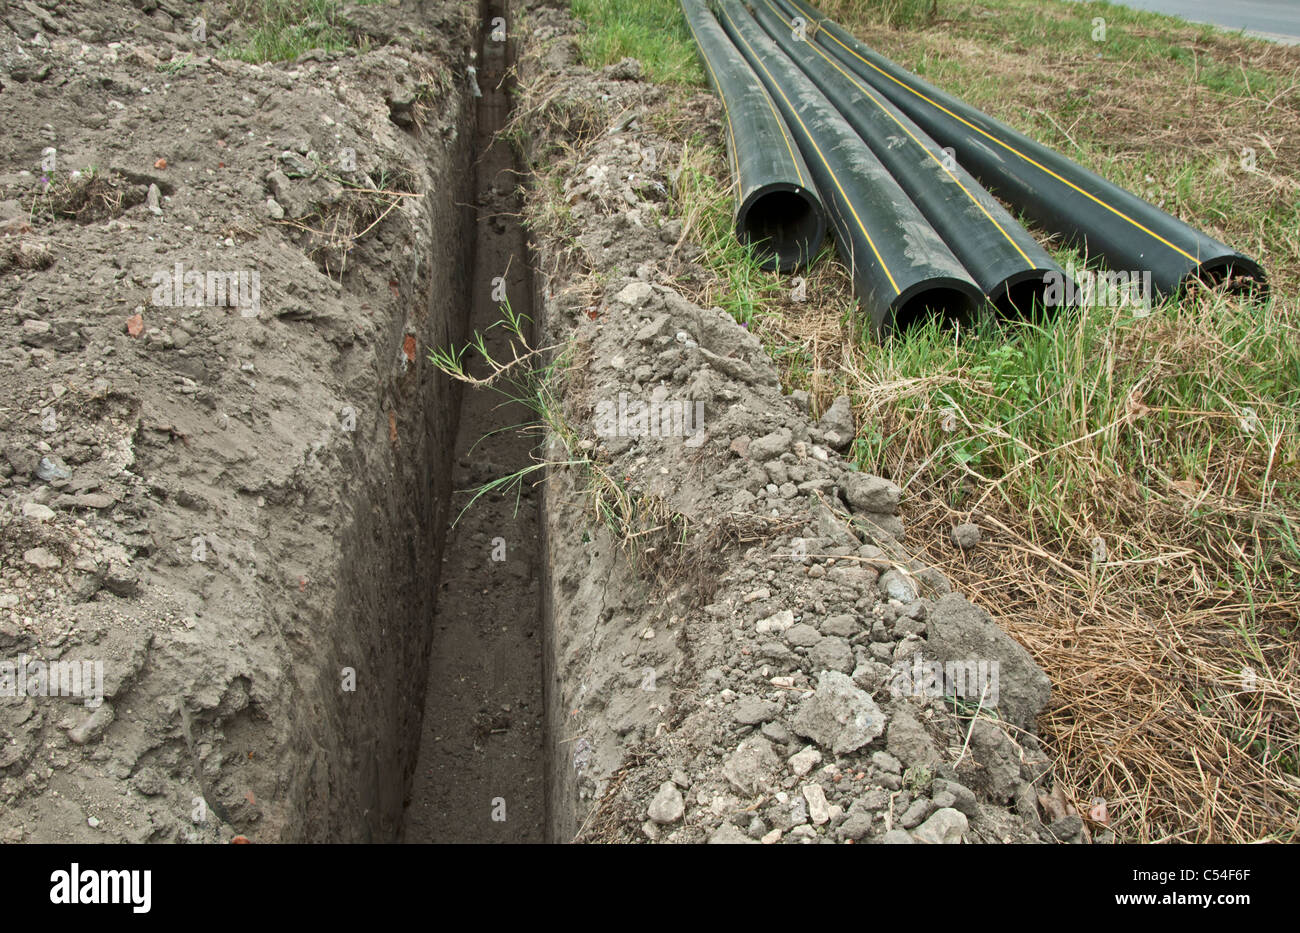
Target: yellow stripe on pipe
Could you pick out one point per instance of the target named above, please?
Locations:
(1007, 146)
(924, 148)
(861, 226)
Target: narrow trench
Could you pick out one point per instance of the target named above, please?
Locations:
(479, 775)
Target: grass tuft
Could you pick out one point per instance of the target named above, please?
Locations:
(654, 32)
(281, 30)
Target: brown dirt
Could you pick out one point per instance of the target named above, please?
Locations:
(479, 776)
(253, 504)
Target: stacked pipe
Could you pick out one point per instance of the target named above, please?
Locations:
(778, 210)
(920, 233)
(901, 268)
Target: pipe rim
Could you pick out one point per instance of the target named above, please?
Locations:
(960, 301)
(1250, 278)
(1009, 297)
(799, 244)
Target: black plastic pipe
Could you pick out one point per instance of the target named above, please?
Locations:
(902, 270)
(778, 210)
(1008, 264)
(1060, 195)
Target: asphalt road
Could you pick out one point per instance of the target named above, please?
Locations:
(1276, 19)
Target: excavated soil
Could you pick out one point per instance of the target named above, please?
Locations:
(241, 509)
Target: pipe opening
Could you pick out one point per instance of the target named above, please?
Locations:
(1233, 275)
(948, 305)
(1025, 299)
(784, 226)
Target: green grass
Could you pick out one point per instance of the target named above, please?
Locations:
(176, 66)
(652, 31)
(747, 288)
(284, 29)
(1027, 389)
(653, 537)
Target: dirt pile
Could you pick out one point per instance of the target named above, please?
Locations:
(224, 472)
(771, 665)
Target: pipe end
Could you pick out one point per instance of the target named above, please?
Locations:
(1234, 274)
(1030, 294)
(949, 300)
(784, 223)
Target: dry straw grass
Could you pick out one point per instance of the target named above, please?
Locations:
(87, 197)
(338, 222)
(1174, 658)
